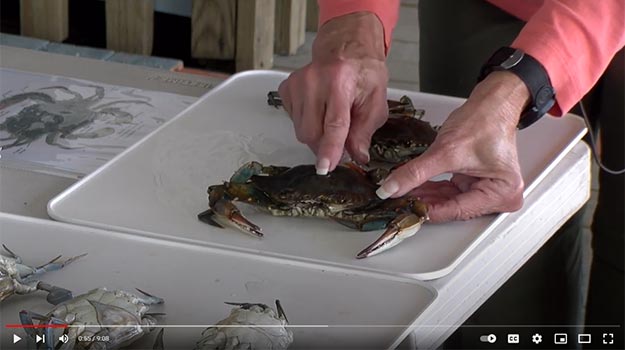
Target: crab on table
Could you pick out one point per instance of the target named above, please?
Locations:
(98, 319)
(243, 329)
(346, 195)
(18, 278)
(405, 134)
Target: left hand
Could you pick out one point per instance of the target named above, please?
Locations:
(477, 144)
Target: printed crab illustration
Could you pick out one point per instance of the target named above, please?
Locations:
(405, 134)
(59, 119)
(346, 195)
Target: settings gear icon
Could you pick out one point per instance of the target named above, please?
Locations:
(537, 338)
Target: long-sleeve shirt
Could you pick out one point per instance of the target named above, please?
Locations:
(574, 40)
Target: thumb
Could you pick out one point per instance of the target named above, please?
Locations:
(412, 174)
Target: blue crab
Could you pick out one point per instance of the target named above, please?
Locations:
(346, 195)
(249, 327)
(98, 319)
(18, 278)
(405, 134)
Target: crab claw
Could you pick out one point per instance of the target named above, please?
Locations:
(56, 295)
(274, 99)
(224, 213)
(402, 227)
(280, 311)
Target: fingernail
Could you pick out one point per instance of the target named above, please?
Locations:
(323, 165)
(387, 189)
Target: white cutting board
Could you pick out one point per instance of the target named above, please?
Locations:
(157, 187)
(328, 308)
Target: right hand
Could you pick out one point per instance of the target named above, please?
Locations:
(338, 100)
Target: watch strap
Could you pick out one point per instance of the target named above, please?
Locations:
(532, 73)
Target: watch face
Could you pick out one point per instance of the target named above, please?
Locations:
(513, 59)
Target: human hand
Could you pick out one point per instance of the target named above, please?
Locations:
(477, 144)
(338, 100)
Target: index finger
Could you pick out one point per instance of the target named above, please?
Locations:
(336, 125)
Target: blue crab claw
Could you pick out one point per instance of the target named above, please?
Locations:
(402, 227)
(273, 99)
(224, 213)
(280, 311)
(56, 295)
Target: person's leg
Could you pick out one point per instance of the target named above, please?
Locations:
(457, 37)
(605, 295)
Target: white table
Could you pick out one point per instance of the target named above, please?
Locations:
(565, 189)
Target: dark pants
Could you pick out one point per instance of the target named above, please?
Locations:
(457, 37)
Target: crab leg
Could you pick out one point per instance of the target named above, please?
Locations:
(403, 107)
(402, 227)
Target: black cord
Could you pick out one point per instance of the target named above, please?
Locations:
(593, 145)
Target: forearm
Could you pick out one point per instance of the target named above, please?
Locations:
(574, 40)
(385, 10)
(354, 36)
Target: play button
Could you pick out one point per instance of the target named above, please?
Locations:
(16, 338)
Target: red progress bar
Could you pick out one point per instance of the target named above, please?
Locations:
(36, 326)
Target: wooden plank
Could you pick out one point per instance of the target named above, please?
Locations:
(130, 26)
(47, 19)
(255, 34)
(312, 15)
(290, 26)
(213, 25)
(23, 41)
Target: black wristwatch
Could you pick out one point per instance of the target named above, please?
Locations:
(533, 75)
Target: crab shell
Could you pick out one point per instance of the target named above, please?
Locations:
(245, 330)
(400, 139)
(340, 190)
(100, 307)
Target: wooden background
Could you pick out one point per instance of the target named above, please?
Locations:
(248, 32)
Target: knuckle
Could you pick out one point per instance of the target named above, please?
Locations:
(305, 136)
(336, 122)
(413, 170)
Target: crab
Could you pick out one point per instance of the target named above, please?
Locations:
(59, 119)
(249, 327)
(404, 136)
(18, 278)
(98, 319)
(346, 195)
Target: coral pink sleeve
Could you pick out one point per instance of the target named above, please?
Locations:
(575, 40)
(386, 10)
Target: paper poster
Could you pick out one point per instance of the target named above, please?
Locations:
(56, 124)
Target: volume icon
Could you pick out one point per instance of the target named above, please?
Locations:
(64, 338)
